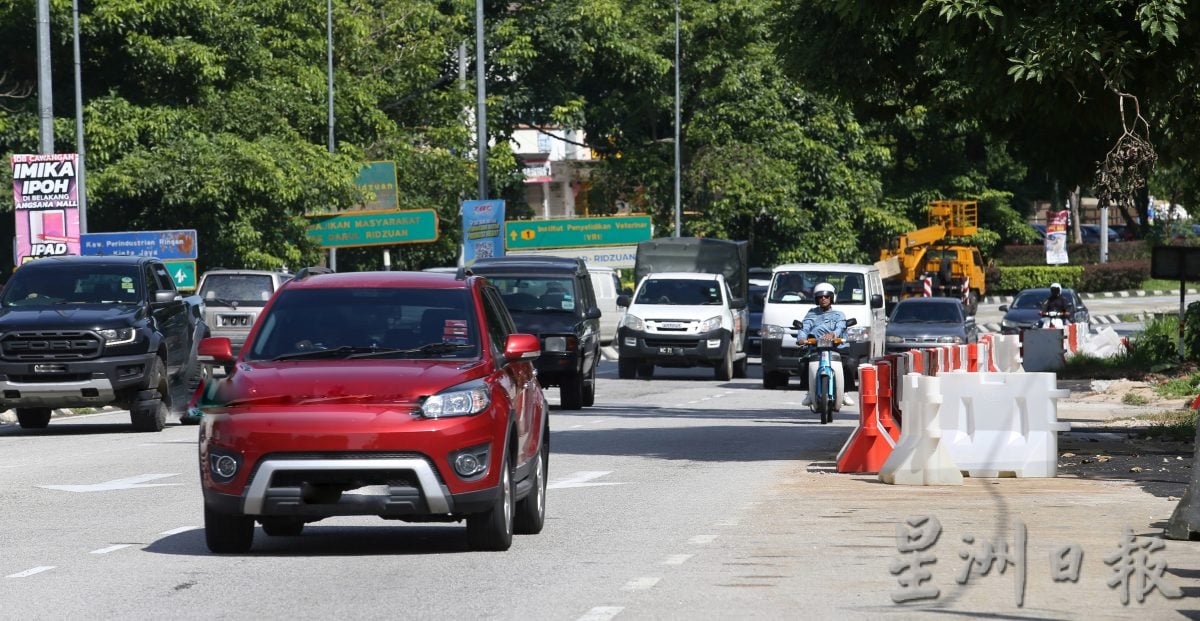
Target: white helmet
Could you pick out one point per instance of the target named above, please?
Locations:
(823, 287)
(1054, 286)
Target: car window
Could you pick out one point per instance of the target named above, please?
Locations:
(795, 287)
(303, 320)
(165, 282)
(679, 292)
(498, 323)
(915, 312)
(245, 289)
(526, 294)
(72, 284)
(1031, 299)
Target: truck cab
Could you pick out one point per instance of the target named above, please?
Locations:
(682, 319)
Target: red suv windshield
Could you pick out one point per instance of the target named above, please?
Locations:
(433, 323)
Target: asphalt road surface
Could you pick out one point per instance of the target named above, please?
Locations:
(101, 522)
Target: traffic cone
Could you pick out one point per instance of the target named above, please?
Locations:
(867, 449)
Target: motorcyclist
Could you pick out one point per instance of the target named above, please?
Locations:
(823, 320)
(1056, 303)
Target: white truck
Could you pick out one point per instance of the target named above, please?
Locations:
(689, 309)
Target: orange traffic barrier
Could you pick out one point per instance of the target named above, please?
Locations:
(916, 362)
(867, 449)
(1072, 337)
(886, 404)
(972, 357)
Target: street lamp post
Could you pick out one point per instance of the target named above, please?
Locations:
(81, 171)
(480, 103)
(677, 200)
(45, 92)
(329, 84)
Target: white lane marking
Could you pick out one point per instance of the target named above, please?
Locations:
(112, 548)
(576, 426)
(176, 531)
(729, 522)
(602, 420)
(116, 484)
(602, 613)
(677, 559)
(702, 539)
(581, 479)
(641, 584)
(30, 572)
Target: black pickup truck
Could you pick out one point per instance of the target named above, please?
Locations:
(96, 331)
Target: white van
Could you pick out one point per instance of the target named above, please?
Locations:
(607, 285)
(859, 296)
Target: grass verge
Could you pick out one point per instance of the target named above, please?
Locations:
(1173, 425)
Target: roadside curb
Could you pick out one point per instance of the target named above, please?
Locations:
(10, 416)
(1141, 293)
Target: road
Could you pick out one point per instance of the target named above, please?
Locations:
(101, 522)
(989, 312)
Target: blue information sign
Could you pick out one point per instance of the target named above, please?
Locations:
(166, 245)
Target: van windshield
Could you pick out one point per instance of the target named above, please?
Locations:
(796, 287)
(679, 292)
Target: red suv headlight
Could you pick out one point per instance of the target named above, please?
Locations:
(463, 400)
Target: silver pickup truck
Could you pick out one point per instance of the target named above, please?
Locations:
(234, 298)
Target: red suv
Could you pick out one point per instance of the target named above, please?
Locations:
(403, 395)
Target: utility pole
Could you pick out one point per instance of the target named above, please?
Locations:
(81, 171)
(329, 78)
(480, 102)
(677, 150)
(45, 94)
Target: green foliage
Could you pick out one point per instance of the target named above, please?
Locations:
(1191, 332)
(1008, 280)
(1116, 276)
(1154, 348)
(1173, 426)
(1077, 254)
(1133, 398)
(1186, 386)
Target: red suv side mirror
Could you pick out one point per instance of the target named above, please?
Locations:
(522, 347)
(219, 348)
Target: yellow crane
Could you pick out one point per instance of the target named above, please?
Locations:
(934, 261)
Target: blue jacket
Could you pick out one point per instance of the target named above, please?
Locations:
(818, 322)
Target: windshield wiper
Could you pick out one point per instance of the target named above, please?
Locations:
(336, 352)
(429, 348)
(221, 302)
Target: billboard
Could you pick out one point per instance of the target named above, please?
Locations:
(1056, 238)
(46, 201)
(482, 223)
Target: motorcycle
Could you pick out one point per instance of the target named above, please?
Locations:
(1053, 319)
(825, 381)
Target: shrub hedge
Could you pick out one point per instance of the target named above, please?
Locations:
(1078, 254)
(1082, 278)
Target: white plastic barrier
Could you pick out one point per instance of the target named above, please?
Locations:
(920, 457)
(1002, 424)
(1006, 352)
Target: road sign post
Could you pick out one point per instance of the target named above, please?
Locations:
(183, 273)
(351, 230)
(166, 245)
(576, 232)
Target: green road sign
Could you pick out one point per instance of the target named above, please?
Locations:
(379, 180)
(380, 228)
(576, 232)
(183, 273)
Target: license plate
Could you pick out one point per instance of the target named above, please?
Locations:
(670, 351)
(671, 325)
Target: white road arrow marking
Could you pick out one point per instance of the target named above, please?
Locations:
(581, 479)
(108, 486)
(30, 572)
